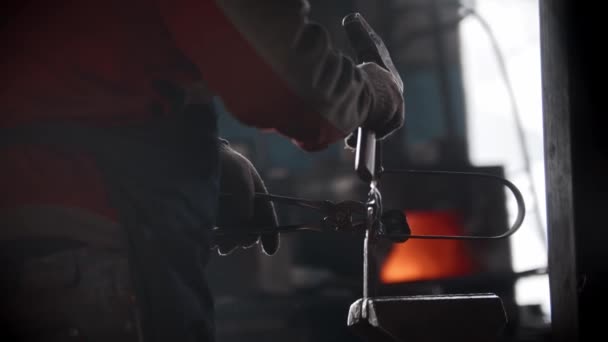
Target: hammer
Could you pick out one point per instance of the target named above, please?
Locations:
(368, 47)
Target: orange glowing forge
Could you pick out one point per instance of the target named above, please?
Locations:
(428, 259)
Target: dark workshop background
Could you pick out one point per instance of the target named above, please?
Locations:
(472, 73)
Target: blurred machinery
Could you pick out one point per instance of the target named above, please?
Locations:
(303, 293)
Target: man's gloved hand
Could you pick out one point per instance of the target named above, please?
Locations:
(239, 212)
(386, 111)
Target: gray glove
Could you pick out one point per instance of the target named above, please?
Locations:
(387, 112)
(239, 212)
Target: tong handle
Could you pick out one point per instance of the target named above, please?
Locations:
(365, 154)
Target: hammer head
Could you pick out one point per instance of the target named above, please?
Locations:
(368, 46)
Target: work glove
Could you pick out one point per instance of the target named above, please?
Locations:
(387, 112)
(384, 85)
(239, 213)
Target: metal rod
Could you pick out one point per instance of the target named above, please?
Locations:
(367, 254)
(366, 280)
(521, 205)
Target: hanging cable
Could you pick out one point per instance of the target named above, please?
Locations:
(465, 12)
(502, 65)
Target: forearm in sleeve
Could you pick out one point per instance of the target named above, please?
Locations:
(272, 67)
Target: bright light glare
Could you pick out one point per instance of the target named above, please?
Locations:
(491, 126)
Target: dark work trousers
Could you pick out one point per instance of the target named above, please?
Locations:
(79, 293)
(162, 176)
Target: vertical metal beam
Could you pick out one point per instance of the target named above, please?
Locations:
(558, 166)
(576, 158)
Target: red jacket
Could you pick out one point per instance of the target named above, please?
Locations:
(96, 62)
